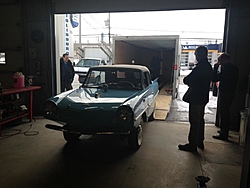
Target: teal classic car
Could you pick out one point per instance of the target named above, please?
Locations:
(114, 99)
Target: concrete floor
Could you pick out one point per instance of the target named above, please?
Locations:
(46, 160)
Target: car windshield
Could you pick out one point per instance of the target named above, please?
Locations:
(114, 79)
(88, 63)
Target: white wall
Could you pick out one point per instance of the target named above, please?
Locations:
(63, 42)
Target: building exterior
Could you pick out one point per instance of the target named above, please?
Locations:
(188, 57)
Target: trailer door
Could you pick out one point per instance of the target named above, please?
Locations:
(176, 69)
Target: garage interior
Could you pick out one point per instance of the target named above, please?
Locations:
(45, 160)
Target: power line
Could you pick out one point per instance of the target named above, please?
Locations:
(88, 23)
(160, 30)
(95, 20)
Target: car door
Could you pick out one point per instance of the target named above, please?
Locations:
(151, 92)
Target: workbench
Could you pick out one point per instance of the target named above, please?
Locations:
(15, 92)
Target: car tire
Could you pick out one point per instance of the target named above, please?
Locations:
(71, 137)
(135, 137)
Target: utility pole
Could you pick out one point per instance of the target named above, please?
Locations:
(107, 23)
(109, 28)
(80, 30)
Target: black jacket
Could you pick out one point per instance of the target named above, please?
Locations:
(228, 77)
(67, 72)
(199, 83)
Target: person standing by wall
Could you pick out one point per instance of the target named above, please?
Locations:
(197, 96)
(67, 73)
(156, 66)
(228, 78)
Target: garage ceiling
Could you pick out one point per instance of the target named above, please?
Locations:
(94, 6)
(9, 2)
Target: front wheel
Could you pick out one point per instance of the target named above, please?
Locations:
(71, 137)
(135, 137)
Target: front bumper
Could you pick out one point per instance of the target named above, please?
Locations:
(74, 130)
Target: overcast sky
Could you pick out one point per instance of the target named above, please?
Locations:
(186, 23)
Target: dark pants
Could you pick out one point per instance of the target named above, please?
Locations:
(224, 104)
(197, 123)
(66, 87)
(217, 119)
(155, 74)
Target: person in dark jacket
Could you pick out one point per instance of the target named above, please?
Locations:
(197, 96)
(228, 78)
(67, 73)
(156, 66)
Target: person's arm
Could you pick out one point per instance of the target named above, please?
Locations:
(72, 71)
(216, 76)
(151, 63)
(189, 79)
(61, 68)
(161, 62)
(229, 73)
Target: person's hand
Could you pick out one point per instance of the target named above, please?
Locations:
(217, 64)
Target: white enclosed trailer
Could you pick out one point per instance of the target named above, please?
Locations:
(95, 52)
(141, 49)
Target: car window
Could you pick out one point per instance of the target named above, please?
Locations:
(95, 78)
(88, 63)
(120, 79)
(146, 79)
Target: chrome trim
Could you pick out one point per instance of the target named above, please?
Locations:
(91, 107)
(82, 74)
(60, 122)
(154, 97)
(111, 133)
(136, 118)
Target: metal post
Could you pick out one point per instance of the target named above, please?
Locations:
(80, 30)
(109, 28)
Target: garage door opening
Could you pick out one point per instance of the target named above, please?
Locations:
(92, 35)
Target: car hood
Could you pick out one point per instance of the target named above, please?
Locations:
(93, 96)
(81, 69)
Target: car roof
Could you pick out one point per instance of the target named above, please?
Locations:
(122, 66)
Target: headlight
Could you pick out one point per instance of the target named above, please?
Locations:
(125, 114)
(49, 108)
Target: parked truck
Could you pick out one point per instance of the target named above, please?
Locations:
(139, 50)
(91, 56)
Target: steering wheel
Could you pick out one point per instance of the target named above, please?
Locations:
(125, 83)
